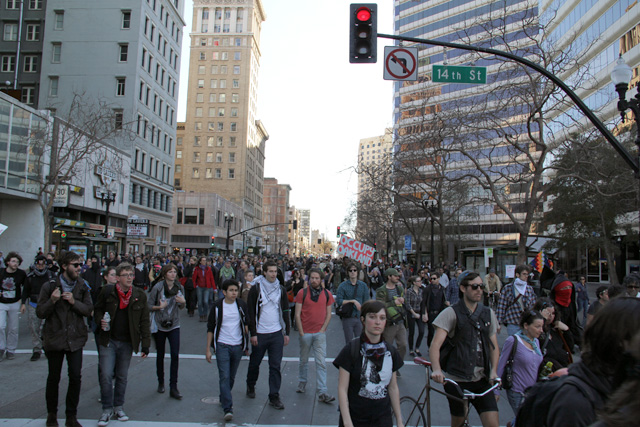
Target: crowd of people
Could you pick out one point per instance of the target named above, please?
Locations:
(251, 305)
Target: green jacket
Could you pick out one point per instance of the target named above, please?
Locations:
(138, 310)
(395, 313)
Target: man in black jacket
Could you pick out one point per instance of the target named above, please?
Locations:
(63, 305)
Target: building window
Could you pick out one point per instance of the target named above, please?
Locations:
(222, 97)
(196, 157)
(210, 141)
(212, 112)
(236, 69)
(30, 64)
(198, 111)
(237, 56)
(232, 173)
(178, 154)
(195, 175)
(232, 141)
(35, 4)
(28, 95)
(12, 4)
(218, 157)
(219, 142)
(218, 174)
(10, 32)
(223, 69)
(220, 126)
(196, 141)
(223, 84)
(235, 98)
(211, 126)
(234, 112)
(234, 127)
(198, 126)
(201, 84)
(8, 63)
(33, 32)
(124, 52)
(209, 173)
(53, 86)
(203, 56)
(221, 112)
(232, 157)
(59, 20)
(202, 69)
(200, 97)
(119, 118)
(236, 84)
(120, 85)
(56, 52)
(126, 19)
(212, 97)
(209, 157)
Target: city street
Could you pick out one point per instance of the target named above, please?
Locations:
(22, 398)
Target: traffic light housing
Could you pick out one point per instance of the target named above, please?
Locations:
(213, 241)
(363, 32)
(295, 224)
(338, 232)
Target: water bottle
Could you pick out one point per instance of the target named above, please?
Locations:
(179, 293)
(107, 319)
(546, 370)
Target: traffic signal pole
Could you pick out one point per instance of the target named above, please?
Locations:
(574, 97)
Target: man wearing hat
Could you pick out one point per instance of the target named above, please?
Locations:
(392, 295)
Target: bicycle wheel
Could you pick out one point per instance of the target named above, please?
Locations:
(412, 415)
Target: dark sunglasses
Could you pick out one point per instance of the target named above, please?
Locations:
(351, 271)
(633, 287)
(475, 287)
(76, 264)
(433, 278)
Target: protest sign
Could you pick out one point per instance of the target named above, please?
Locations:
(355, 250)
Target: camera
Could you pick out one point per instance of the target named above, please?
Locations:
(166, 323)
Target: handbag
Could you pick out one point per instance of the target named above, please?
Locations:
(507, 374)
(344, 311)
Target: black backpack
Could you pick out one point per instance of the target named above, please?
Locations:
(534, 410)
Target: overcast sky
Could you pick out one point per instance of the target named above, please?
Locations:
(315, 105)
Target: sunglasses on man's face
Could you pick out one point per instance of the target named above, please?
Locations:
(475, 286)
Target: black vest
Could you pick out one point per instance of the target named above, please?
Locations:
(458, 355)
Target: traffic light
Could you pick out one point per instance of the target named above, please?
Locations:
(213, 241)
(363, 32)
(63, 234)
(295, 224)
(338, 232)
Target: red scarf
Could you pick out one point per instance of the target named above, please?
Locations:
(124, 298)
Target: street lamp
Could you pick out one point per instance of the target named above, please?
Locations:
(431, 206)
(621, 77)
(228, 219)
(107, 197)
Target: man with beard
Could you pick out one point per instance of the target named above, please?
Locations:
(63, 305)
(11, 283)
(36, 278)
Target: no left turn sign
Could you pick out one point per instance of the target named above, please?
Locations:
(400, 63)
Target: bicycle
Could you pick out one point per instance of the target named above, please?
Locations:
(413, 410)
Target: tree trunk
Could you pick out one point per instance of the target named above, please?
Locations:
(522, 249)
(611, 261)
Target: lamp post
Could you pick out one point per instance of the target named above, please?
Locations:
(228, 219)
(621, 77)
(431, 206)
(107, 197)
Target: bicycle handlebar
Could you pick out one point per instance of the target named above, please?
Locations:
(471, 395)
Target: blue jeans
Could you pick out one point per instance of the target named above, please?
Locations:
(114, 359)
(174, 343)
(515, 399)
(584, 306)
(352, 328)
(319, 343)
(203, 301)
(513, 329)
(274, 344)
(228, 359)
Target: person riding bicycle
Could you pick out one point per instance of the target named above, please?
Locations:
(492, 285)
(466, 348)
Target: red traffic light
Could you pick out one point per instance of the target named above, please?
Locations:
(363, 14)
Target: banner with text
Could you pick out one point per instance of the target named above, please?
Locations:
(355, 250)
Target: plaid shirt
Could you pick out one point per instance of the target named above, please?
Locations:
(509, 311)
(413, 299)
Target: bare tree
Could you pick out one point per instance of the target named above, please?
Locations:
(90, 133)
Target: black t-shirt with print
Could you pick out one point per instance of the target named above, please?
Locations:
(368, 399)
(11, 285)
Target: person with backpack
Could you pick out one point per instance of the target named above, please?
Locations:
(522, 355)
(552, 342)
(367, 380)
(466, 348)
(573, 400)
(36, 278)
(392, 295)
(351, 293)
(227, 335)
(313, 314)
(515, 298)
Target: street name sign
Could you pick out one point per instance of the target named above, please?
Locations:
(459, 74)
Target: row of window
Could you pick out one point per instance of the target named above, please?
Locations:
(145, 131)
(215, 69)
(150, 198)
(30, 64)
(216, 126)
(160, 72)
(221, 98)
(151, 166)
(212, 112)
(212, 141)
(212, 173)
(157, 104)
(209, 157)
(33, 4)
(221, 56)
(10, 32)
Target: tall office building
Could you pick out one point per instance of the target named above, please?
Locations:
(305, 223)
(482, 118)
(222, 147)
(374, 153)
(276, 211)
(125, 55)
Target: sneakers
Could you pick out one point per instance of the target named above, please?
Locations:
(2, 352)
(326, 398)
(52, 419)
(35, 356)
(251, 392)
(72, 421)
(412, 353)
(418, 353)
(120, 415)
(301, 387)
(104, 419)
(10, 356)
(228, 416)
(174, 393)
(276, 403)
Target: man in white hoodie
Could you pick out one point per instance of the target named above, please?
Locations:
(269, 325)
